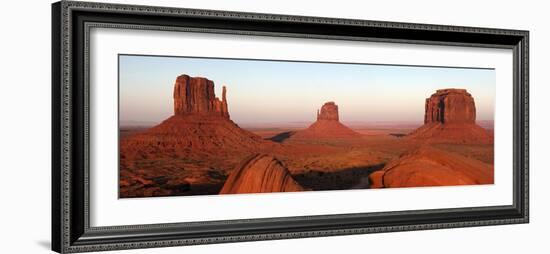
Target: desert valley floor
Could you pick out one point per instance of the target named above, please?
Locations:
(316, 164)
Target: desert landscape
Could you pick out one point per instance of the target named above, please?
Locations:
(199, 150)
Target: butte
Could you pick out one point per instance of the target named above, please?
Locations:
(200, 124)
(197, 145)
(450, 117)
(327, 125)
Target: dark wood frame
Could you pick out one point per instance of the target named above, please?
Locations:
(71, 22)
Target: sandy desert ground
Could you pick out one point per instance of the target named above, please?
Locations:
(319, 164)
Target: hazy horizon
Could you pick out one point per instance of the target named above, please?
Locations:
(265, 92)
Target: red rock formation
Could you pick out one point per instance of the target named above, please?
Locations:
(180, 135)
(259, 174)
(200, 124)
(450, 116)
(329, 111)
(452, 133)
(428, 166)
(450, 106)
(195, 96)
(326, 126)
(194, 146)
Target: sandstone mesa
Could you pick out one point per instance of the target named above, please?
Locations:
(196, 96)
(200, 122)
(199, 130)
(450, 116)
(327, 125)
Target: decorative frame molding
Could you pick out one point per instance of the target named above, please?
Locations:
(71, 22)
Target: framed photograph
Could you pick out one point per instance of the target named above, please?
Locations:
(182, 126)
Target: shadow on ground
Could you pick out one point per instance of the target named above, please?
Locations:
(44, 244)
(279, 138)
(399, 135)
(344, 179)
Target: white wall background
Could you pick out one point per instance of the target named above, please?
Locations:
(25, 125)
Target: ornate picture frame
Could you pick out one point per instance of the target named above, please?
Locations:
(71, 202)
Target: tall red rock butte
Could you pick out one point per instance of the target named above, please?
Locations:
(196, 96)
(200, 130)
(259, 174)
(195, 147)
(200, 125)
(327, 125)
(450, 116)
(450, 106)
(328, 112)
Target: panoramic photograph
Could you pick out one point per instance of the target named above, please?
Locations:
(209, 126)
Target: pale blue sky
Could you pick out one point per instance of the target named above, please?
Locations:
(278, 91)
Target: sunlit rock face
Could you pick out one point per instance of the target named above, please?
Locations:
(450, 106)
(428, 166)
(450, 117)
(327, 125)
(329, 111)
(195, 96)
(259, 174)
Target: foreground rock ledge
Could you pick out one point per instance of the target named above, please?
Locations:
(258, 174)
(428, 166)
